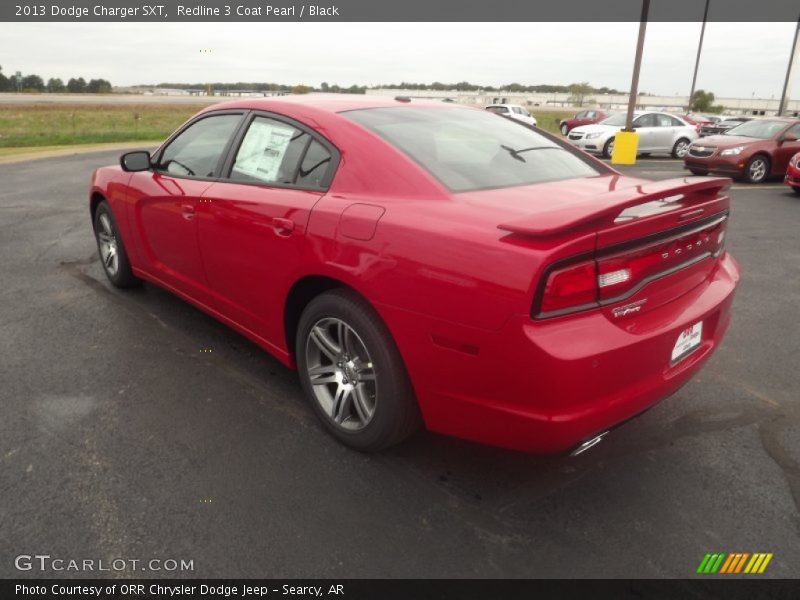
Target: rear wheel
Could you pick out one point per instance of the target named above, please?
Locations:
(352, 373)
(564, 129)
(113, 256)
(608, 149)
(757, 169)
(680, 148)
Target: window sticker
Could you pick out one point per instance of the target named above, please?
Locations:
(263, 149)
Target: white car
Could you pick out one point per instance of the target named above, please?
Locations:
(658, 133)
(515, 111)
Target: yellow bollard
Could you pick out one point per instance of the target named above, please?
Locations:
(625, 146)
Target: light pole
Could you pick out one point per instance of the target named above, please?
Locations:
(697, 60)
(789, 69)
(627, 140)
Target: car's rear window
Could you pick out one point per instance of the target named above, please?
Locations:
(473, 149)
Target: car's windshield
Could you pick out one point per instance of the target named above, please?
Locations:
(617, 120)
(757, 129)
(468, 149)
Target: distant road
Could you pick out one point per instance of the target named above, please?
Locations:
(6, 98)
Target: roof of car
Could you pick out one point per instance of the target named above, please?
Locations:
(330, 103)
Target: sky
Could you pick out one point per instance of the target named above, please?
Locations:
(738, 60)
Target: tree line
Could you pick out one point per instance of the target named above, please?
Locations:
(581, 89)
(34, 83)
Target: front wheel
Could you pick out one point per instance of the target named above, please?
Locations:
(564, 129)
(608, 149)
(698, 172)
(352, 373)
(681, 148)
(796, 190)
(757, 169)
(113, 256)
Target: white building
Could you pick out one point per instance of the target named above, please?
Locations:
(744, 106)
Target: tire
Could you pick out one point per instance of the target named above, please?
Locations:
(796, 190)
(564, 129)
(698, 172)
(681, 148)
(380, 409)
(113, 255)
(757, 169)
(608, 149)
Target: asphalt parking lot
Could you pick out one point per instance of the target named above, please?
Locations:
(133, 426)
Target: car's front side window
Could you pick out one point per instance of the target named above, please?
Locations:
(795, 131)
(648, 120)
(196, 151)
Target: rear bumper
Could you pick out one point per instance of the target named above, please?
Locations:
(546, 386)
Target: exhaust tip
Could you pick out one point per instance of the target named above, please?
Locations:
(590, 443)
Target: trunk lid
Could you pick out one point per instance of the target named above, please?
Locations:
(652, 240)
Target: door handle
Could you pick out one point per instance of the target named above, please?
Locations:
(282, 226)
(187, 211)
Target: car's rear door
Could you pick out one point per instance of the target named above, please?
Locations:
(253, 220)
(165, 200)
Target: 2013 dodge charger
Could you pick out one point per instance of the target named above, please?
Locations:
(426, 263)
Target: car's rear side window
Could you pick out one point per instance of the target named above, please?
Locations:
(470, 149)
(274, 152)
(196, 151)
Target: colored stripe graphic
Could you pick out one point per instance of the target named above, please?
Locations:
(736, 562)
(727, 564)
(764, 564)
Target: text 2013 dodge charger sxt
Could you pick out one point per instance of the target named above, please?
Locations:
(426, 263)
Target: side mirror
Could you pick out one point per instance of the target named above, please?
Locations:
(135, 161)
(789, 137)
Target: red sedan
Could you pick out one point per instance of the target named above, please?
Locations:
(792, 177)
(755, 150)
(584, 117)
(427, 263)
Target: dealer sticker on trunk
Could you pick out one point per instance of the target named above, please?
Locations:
(688, 342)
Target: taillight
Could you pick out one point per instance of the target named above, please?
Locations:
(615, 275)
(622, 273)
(570, 287)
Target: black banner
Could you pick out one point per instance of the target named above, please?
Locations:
(404, 589)
(386, 11)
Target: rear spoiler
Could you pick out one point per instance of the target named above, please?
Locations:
(607, 207)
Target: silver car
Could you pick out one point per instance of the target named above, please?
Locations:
(658, 133)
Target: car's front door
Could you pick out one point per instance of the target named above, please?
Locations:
(646, 126)
(253, 220)
(165, 201)
(785, 150)
(665, 133)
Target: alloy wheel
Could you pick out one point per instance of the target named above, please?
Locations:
(758, 169)
(341, 373)
(681, 148)
(109, 249)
